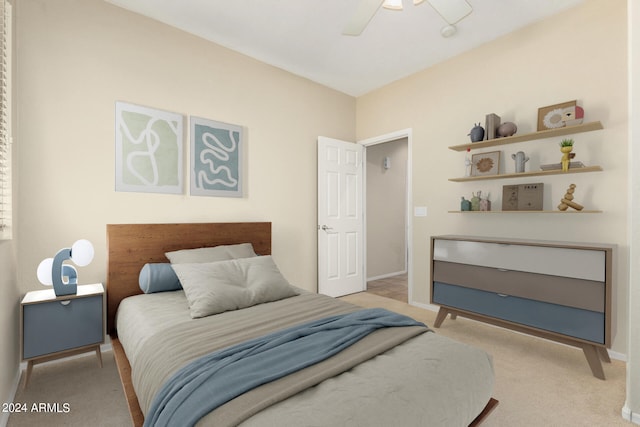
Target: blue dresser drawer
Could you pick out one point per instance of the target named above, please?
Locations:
(54, 326)
(578, 323)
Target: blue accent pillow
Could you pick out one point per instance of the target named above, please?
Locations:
(158, 277)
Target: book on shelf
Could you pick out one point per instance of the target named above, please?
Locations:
(558, 166)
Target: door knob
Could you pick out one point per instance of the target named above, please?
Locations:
(325, 228)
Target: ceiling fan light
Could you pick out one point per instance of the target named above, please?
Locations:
(392, 4)
(448, 30)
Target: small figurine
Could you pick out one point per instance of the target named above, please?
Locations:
(476, 133)
(467, 164)
(465, 205)
(520, 159)
(566, 146)
(567, 200)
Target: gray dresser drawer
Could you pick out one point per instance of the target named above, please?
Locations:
(578, 293)
(50, 327)
(584, 324)
(557, 261)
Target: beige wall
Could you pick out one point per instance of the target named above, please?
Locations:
(78, 57)
(580, 54)
(386, 209)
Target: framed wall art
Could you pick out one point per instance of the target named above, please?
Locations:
(555, 116)
(149, 150)
(485, 163)
(216, 158)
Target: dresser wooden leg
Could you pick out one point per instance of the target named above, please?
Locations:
(27, 375)
(604, 354)
(99, 355)
(442, 314)
(592, 354)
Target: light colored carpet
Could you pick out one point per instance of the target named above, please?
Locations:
(94, 395)
(538, 383)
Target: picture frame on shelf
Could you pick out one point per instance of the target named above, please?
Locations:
(554, 116)
(483, 164)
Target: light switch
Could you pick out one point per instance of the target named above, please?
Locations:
(420, 211)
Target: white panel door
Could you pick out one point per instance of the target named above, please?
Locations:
(340, 218)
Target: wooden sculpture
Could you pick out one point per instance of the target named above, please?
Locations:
(567, 200)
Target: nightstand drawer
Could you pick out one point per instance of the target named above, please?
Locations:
(54, 326)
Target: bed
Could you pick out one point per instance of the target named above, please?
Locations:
(401, 374)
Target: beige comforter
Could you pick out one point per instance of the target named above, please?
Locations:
(428, 380)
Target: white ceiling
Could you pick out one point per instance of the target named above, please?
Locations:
(304, 36)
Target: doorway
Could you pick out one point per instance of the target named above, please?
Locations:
(388, 223)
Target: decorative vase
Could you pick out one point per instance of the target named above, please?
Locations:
(520, 159)
(465, 205)
(477, 133)
(566, 155)
(475, 201)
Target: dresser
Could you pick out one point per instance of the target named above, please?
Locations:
(54, 327)
(555, 290)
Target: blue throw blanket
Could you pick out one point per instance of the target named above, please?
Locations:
(212, 380)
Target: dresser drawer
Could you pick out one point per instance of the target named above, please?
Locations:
(584, 324)
(554, 261)
(54, 326)
(578, 293)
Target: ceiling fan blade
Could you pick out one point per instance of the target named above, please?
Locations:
(451, 11)
(363, 14)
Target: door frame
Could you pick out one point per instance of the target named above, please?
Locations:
(381, 139)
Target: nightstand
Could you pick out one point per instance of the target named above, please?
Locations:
(53, 327)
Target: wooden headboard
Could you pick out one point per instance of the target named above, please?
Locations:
(131, 246)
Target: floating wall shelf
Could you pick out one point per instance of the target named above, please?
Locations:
(525, 212)
(527, 174)
(551, 133)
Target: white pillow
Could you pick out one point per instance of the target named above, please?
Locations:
(216, 253)
(216, 287)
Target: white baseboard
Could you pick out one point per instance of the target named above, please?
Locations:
(629, 415)
(429, 307)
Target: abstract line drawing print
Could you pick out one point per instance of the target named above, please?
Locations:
(216, 158)
(149, 147)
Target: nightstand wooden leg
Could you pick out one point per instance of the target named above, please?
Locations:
(27, 375)
(99, 355)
